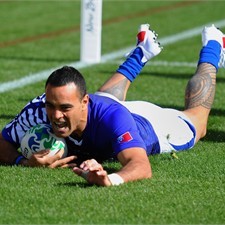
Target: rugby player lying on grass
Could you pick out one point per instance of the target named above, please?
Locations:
(104, 126)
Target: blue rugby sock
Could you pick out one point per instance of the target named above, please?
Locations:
(133, 65)
(210, 53)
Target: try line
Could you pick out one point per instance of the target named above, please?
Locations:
(42, 75)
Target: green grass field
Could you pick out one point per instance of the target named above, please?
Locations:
(39, 35)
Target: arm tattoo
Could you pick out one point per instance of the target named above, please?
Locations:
(119, 89)
(200, 90)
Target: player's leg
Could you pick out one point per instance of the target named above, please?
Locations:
(200, 89)
(147, 47)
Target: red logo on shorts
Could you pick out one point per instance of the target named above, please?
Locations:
(125, 137)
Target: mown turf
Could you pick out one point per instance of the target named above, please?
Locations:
(38, 35)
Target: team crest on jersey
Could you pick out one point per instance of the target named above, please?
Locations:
(124, 138)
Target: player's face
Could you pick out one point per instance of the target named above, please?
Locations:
(66, 110)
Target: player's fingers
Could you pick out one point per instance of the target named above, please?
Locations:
(84, 174)
(42, 153)
(65, 162)
(69, 165)
(60, 153)
(85, 165)
(90, 164)
(102, 173)
(81, 173)
(77, 170)
(58, 156)
(95, 167)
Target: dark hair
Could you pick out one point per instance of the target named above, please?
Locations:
(66, 75)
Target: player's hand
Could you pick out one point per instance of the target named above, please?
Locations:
(93, 173)
(41, 159)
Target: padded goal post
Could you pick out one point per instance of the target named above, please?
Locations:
(91, 31)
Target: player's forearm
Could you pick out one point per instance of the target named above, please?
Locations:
(8, 152)
(136, 165)
(135, 170)
(117, 86)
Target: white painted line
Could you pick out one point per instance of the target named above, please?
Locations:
(162, 63)
(173, 64)
(30, 79)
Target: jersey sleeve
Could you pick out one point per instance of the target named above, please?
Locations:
(32, 114)
(123, 130)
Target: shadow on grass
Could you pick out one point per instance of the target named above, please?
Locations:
(75, 184)
(8, 117)
(85, 184)
(214, 136)
(168, 75)
(174, 75)
(217, 112)
(184, 76)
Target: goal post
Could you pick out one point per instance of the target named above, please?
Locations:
(91, 31)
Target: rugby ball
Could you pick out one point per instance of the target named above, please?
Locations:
(41, 137)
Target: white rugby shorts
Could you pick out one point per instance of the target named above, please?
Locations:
(173, 128)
